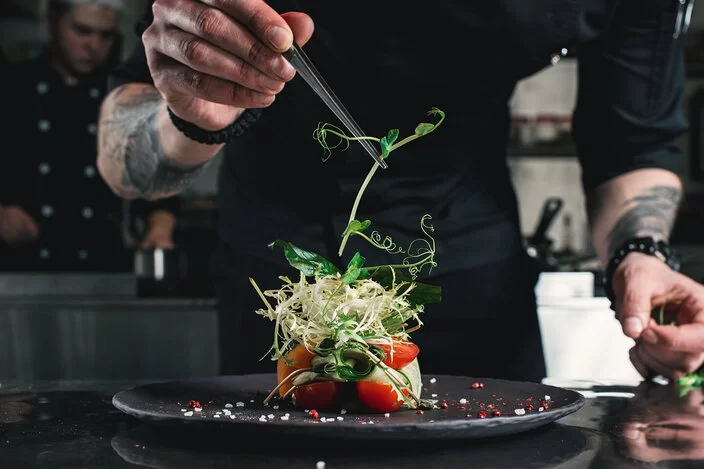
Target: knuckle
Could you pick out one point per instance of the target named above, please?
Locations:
(193, 80)
(192, 49)
(208, 21)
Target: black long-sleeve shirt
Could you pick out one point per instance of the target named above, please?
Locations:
(390, 62)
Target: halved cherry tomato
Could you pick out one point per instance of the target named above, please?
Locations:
(319, 396)
(299, 357)
(404, 353)
(378, 397)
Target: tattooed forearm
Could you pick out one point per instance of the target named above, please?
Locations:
(130, 140)
(651, 213)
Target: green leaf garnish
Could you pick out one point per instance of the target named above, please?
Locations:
(309, 263)
(354, 269)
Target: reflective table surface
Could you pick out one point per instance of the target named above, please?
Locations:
(73, 424)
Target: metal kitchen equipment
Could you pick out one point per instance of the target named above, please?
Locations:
(539, 245)
(310, 74)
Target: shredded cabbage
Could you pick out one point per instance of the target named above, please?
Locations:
(310, 311)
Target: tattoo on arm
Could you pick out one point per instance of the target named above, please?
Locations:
(134, 143)
(651, 213)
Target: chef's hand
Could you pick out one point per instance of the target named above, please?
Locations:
(642, 285)
(212, 59)
(160, 231)
(17, 227)
(658, 425)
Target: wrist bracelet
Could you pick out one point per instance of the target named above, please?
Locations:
(643, 245)
(237, 128)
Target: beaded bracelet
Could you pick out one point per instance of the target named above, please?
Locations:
(215, 137)
(644, 245)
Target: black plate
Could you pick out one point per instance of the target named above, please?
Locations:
(164, 404)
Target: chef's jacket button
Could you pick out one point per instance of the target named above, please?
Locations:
(44, 253)
(47, 210)
(94, 93)
(42, 87)
(83, 254)
(87, 212)
(44, 125)
(554, 59)
(89, 171)
(44, 168)
(92, 129)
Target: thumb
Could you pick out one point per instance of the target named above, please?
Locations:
(636, 305)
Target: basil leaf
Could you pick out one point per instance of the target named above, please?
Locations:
(421, 294)
(311, 264)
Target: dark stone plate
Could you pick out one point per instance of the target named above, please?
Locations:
(163, 404)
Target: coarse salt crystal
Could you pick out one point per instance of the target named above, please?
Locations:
(270, 416)
(340, 417)
(320, 465)
(433, 395)
(547, 398)
(387, 415)
(343, 411)
(198, 409)
(251, 400)
(216, 416)
(433, 380)
(284, 417)
(540, 409)
(188, 414)
(184, 410)
(228, 406)
(218, 412)
(232, 416)
(463, 401)
(275, 407)
(520, 411)
(240, 404)
(262, 418)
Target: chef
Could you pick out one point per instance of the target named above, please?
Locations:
(56, 213)
(210, 76)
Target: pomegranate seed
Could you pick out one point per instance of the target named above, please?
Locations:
(314, 413)
(529, 407)
(420, 411)
(481, 385)
(543, 404)
(193, 404)
(475, 385)
(443, 404)
(481, 414)
(496, 413)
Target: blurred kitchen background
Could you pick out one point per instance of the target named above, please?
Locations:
(159, 322)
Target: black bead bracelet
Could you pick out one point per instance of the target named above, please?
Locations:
(643, 245)
(215, 137)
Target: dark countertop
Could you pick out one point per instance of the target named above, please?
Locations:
(72, 424)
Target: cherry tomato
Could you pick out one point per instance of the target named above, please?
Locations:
(378, 397)
(404, 353)
(319, 396)
(299, 357)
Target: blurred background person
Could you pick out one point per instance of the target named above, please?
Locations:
(56, 213)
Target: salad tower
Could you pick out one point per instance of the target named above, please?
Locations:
(342, 336)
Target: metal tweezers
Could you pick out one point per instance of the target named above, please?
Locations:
(310, 74)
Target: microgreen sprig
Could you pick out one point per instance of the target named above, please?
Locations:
(387, 144)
